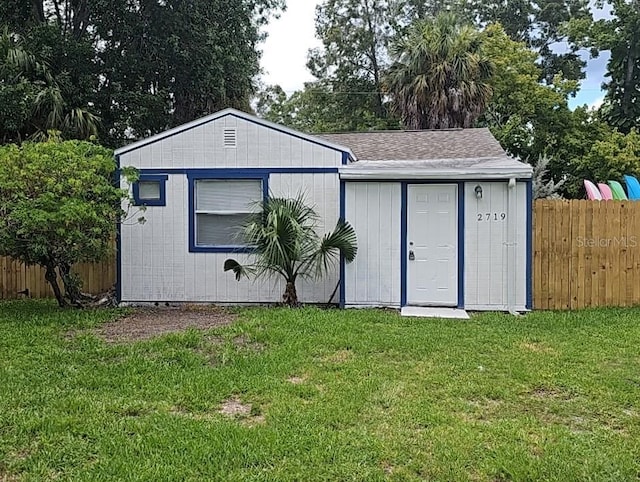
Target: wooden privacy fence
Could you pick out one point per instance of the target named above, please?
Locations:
(586, 253)
(16, 278)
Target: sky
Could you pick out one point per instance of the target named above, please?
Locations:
(291, 36)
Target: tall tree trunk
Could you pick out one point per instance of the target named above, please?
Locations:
(290, 296)
(52, 278)
(38, 11)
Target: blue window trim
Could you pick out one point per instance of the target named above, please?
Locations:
(196, 175)
(162, 181)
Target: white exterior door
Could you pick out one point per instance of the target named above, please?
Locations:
(432, 239)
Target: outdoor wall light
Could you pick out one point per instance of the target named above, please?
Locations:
(478, 191)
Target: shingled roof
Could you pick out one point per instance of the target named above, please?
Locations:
(419, 145)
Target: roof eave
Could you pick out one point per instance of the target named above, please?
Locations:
(434, 174)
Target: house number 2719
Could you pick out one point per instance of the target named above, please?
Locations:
(485, 217)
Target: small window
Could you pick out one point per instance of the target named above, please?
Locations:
(222, 207)
(150, 190)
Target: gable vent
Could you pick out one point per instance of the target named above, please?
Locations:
(230, 138)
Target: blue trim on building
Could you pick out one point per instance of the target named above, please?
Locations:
(162, 182)
(118, 240)
(208, 121)
(225, 172)
(343, 263)
(228, 174)
(461, 244)
(403, 244)
(195, 175)
(345, 158)
(529, 268)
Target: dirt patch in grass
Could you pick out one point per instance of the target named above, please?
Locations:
(297, 380)
(537, 347)
(340, 356)
(483, 410)
(5, 477)
(243, 412)
(388, 468)
(551, 393)
(234, 408)
(145, 323)
(246, 343)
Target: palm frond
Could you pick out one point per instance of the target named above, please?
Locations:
(342, 241)
(238, 269)
(81, 123)
(439, 78)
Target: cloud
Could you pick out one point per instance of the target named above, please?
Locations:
(285, 51)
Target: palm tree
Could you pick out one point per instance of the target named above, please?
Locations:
(283, 233)
(33, 82)
(439, 79)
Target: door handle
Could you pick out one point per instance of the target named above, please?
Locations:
(412, 256)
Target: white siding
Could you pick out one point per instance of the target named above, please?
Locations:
(157, 264)
(373, 279)
(257, 146)
(486, 250)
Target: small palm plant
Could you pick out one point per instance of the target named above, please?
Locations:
(283, 233)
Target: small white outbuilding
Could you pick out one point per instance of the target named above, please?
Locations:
(443, 218)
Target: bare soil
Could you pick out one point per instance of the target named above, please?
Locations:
(234, 407)
(146, 323)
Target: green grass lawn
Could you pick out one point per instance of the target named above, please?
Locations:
(334, 395)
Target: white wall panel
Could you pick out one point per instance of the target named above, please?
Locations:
(157, 265)
(373, 208)
(486, 250)
(257, 146)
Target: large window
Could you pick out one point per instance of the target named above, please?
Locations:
(221, 207)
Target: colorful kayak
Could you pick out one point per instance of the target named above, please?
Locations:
(633, 187)
(592, 191)
(605, 190)
(617, 190)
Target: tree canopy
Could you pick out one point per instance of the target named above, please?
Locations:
(138, 67)
(58, 207)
